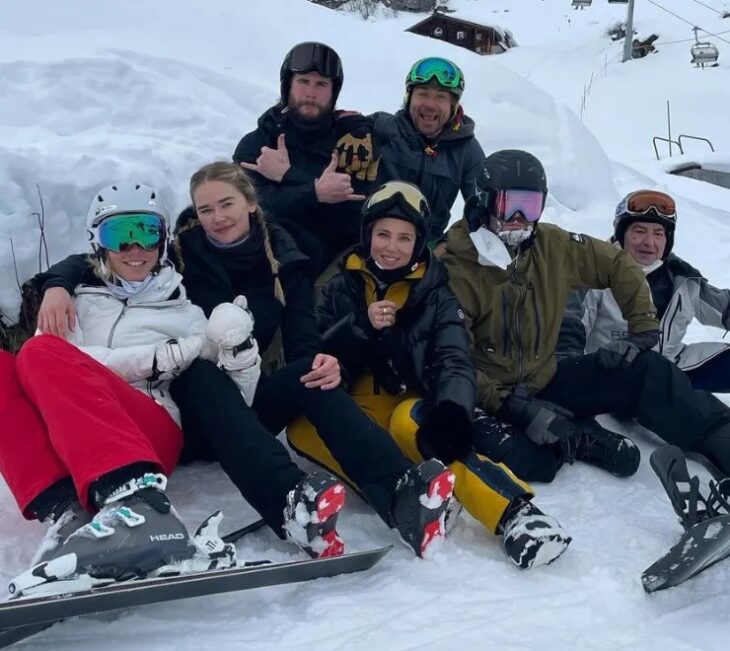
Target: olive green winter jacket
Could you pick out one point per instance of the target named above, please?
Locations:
(514, 315)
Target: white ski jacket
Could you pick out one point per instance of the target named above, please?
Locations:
(122, 334)
(595, 318)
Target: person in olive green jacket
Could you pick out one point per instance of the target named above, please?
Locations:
(512, 277)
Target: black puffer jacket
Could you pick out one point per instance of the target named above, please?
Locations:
(427, 350)
(211, 277)
(293, 201)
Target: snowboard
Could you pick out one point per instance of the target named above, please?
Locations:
(705, 517)
(702, 545)
(25, 616)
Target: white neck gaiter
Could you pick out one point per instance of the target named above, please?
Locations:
(491, 250)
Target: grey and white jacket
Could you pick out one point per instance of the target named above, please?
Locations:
(593, 318)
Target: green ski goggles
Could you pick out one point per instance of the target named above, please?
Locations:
(119, 232)
(446, 73)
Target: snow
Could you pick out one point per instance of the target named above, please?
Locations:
(96, 92)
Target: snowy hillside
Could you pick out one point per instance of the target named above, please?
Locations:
(92, 92)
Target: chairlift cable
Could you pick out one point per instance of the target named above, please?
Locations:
(684, 20)
(719, 13)
(685, 40)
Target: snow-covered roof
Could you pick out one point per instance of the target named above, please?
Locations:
(462, 16)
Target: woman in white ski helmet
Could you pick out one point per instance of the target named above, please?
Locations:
(86, 422)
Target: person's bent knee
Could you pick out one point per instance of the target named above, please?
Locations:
(650, 361)
(43, 345)
(37, 350)
(303, 363)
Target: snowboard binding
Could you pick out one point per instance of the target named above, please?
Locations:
(692, 507)
(705, 518)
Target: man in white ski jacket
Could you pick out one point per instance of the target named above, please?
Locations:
(644, 227)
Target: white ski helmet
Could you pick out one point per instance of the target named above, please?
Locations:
(122, 198)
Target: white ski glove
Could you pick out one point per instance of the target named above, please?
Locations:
(173, 356)
(230, 326)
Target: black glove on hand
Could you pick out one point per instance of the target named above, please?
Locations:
(446, 433)
(622, 352)
(542, 421)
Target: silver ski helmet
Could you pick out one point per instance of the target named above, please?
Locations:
(121, 199)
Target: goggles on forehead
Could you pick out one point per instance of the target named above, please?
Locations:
(642, 202)
(393, 193)
(119, 232)
(446, 73)
(315, 57)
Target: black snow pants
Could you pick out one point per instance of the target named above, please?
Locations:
(652, 390)
(219, 426)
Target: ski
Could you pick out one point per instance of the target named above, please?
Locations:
(25, 616)
(235, 536)
(701, 546)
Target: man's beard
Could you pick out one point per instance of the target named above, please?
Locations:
(513, 239)
(324, 113)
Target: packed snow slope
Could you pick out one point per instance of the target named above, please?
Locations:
(97, 92)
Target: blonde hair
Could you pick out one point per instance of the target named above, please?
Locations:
(101, 268)
(234, 175)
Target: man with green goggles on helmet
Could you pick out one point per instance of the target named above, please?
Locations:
(429, 141)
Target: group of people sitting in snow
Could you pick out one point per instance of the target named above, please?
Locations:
(312, 287)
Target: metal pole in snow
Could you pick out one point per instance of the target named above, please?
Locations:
(628, 41)
(669, 129)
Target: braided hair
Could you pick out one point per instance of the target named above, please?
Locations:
(234, 175)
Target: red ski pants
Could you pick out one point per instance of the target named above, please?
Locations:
(64, 414)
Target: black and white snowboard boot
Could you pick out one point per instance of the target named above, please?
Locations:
(422, 497)
(310, 515)
(135, 532)
(529, 537)
(604, 449)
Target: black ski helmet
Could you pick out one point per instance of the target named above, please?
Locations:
(311, 57)
(624, 216)
(400, 200)
(508, 169)
(513, 169)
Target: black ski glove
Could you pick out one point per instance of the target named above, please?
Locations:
(542, 421)
(357, 152)
(622, 352)
(445, 433)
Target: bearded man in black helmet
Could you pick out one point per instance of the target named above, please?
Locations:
(312, 165)
(513, 276)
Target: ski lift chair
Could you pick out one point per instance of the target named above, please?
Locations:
(579, 4)
(704, 54)
(618, 2)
